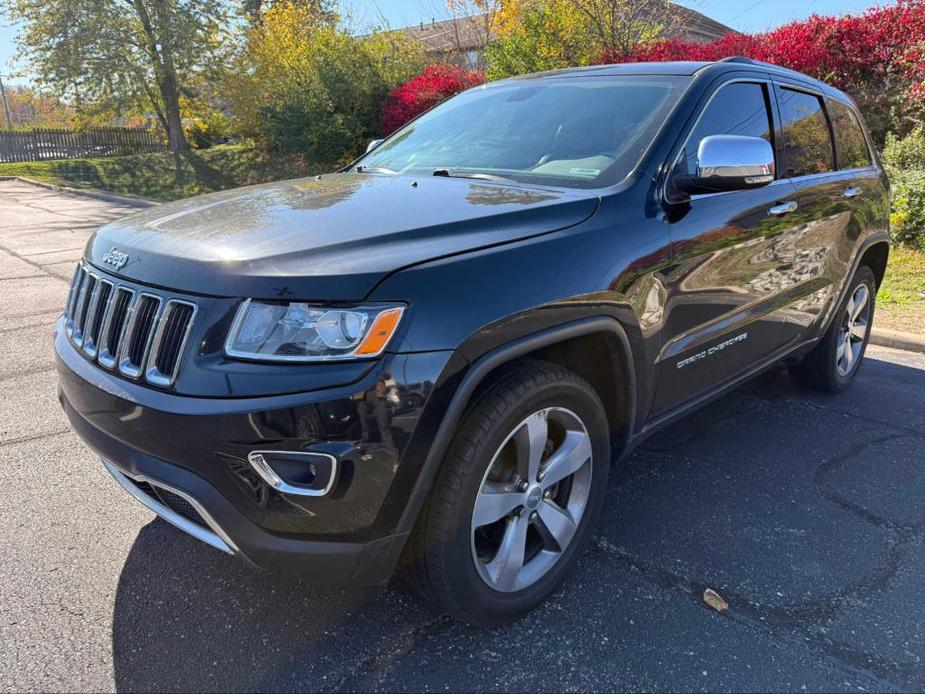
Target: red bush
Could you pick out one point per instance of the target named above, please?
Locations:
(418, 94)
(877, 56)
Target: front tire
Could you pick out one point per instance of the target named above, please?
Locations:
(516, 498)
(833, 363)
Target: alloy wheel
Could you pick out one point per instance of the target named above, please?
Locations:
(854, 332)
(532, 499)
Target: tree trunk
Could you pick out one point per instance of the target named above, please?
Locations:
(170, 95)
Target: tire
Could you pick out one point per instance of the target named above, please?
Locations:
(464, 563)
(832, 366)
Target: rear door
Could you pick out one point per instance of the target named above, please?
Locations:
(829, 160)
(728, 294)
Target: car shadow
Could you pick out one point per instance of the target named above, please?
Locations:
(769, 495)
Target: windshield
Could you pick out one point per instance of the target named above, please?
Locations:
(583, 132)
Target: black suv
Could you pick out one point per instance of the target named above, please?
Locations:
(429, 359)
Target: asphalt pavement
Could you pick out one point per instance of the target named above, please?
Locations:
(803, 511)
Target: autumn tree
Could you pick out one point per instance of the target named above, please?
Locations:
(537, 35)
(121, 56)
(541, 36)
(877, 56)
(624, 24)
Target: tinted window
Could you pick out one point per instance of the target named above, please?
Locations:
(583, 132)
(807, 139)
(850, 142)
(740, 108)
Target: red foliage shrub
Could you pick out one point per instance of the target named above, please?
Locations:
(877, 56)
(418, 94)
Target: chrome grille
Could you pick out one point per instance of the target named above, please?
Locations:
(137, 333)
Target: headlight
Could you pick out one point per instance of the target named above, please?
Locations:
(302, 332)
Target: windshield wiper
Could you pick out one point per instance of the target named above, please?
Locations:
(482, 176)
(374, 169)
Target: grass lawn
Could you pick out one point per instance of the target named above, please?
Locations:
(901, 299)
(167, 176)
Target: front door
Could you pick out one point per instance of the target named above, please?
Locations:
(729, 291)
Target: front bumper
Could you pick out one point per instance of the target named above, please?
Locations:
(195, 449)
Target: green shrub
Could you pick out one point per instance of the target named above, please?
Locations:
(904, 160)
(302, 85)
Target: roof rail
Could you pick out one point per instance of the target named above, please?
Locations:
(739, 59)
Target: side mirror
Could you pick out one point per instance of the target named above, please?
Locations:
(372, 145)
(729, 162)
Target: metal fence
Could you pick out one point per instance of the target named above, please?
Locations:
(39, 145)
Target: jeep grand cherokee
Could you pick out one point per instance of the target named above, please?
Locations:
(429, 359)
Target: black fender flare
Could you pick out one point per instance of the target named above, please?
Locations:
(487, 363)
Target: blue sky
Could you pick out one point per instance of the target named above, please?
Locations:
(744, 15)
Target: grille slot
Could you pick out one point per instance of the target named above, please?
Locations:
(113, 326)
(84, 300)
(138, 332)
(169, 341)
(78, 278)
(93, 320)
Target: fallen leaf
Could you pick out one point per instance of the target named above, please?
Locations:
(715, 600)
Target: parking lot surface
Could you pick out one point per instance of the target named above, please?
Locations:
(803, 511)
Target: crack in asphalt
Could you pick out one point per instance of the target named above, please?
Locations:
(764, 620)
(371, 670)
(808, 619)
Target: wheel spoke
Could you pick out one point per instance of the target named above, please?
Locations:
(859, 330)
(509, 560)
(574, 452)
(849, 353)
(493, 503)
(842, 346)
(530, 442)
(555, 523)
(859, 302)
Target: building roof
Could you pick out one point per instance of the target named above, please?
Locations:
(469, 33)
(465, 33)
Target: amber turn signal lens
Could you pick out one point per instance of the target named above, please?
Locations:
(380, 333)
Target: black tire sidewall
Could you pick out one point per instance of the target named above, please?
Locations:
(485, 605)
(836, 380)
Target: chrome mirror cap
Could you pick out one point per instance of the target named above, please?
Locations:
(725, 163)
(372, 145)
(749, 159)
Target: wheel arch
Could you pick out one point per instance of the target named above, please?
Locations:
(563, 344)
(875, 257)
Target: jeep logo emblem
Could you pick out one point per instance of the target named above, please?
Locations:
(116, 258)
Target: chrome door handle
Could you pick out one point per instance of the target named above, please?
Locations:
(851, 192)
(783, 208)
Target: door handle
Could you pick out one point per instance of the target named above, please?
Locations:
(851, 192)
(783, 208)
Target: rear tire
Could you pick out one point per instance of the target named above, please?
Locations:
(834, 362)
(516, 498)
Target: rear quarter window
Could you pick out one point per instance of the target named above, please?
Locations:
(850, 143)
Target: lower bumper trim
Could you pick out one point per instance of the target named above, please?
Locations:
(213, 535)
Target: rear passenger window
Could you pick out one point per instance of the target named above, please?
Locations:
(740, 108)
(850, 143)
(807, 140)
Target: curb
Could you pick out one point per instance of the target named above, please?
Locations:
(898, 339)
(85, 192)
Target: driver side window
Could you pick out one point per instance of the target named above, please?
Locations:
(740, 108)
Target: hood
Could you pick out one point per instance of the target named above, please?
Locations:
(325, 238)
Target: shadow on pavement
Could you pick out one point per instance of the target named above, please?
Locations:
(803, 510)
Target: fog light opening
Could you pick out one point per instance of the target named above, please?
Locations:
(296, 472)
